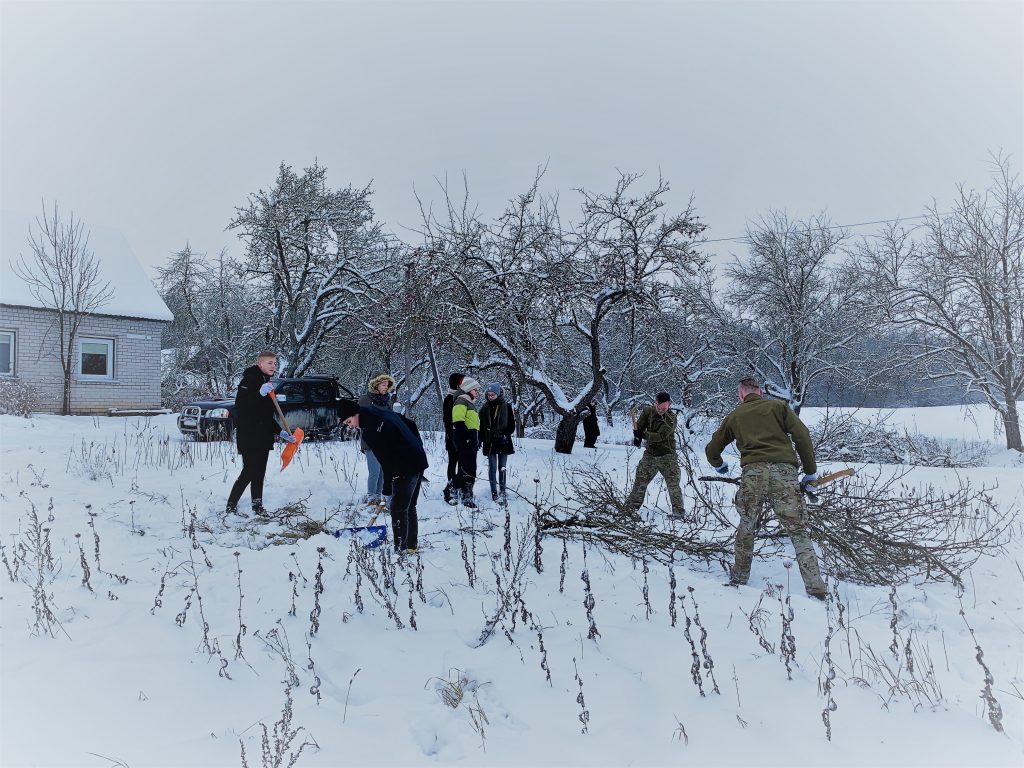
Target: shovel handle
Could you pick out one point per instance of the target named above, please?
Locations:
(280, 413)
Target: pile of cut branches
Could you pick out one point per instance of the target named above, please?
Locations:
(879, 530)
(874, 529)
(596, 514)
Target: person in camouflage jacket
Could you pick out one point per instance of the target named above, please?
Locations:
(657, 425)
(765, 432)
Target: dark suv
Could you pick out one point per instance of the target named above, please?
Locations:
(310, 402)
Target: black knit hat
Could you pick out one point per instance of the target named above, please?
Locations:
(455, 380)
(347, 408)
(663, 397)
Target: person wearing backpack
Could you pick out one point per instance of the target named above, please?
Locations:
(454, 381)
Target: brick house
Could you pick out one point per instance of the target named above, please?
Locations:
(117, 356)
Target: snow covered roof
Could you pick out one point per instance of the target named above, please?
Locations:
(133, 292)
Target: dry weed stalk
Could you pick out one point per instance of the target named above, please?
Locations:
(707, 662)
(584, 716)
(826, 680)
(508, 593)
(992, 707)
(588, 599)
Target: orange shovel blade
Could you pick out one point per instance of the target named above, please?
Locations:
(291, 448)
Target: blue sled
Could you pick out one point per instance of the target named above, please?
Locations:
(370, 536)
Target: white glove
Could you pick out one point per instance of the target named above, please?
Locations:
(266, 389)
(286, 436)
(808, 479)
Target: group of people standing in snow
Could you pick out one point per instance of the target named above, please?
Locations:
(468, 429)
(396, 459)
(765, 433)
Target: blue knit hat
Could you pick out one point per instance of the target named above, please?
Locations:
(495, 388)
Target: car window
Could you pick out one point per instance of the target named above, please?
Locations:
(291, 392)
(321, 392)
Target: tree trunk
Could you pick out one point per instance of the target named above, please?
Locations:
(65, 407)
(565, 434)
(1011, 424)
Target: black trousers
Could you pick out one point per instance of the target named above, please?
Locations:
(406, 492)
(466, 476)
(254, 469)
(453, 459)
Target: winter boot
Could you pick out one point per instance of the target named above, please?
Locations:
(259, 509)
(447, 493)
(232, 509)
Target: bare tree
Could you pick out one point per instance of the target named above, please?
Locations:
(793, 312)
(962, 284)
(63, 275)
(542, 295)
(211, 336)
(314, 254)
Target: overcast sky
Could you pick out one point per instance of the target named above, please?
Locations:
(159, 118)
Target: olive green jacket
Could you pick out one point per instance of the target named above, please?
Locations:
(659, 431)
(764, 431)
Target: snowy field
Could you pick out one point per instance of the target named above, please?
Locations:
(190, 633)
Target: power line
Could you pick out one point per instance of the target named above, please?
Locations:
(743, 238)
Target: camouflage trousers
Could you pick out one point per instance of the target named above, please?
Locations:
(777, 486)
(650, 466)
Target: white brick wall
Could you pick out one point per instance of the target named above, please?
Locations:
(136, 382)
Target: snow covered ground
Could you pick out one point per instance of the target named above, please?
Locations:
(183, 640)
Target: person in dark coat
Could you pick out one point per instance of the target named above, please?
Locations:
(590, 426)
(395, 442)
(497, 423)
(255, 428)
(454, 382)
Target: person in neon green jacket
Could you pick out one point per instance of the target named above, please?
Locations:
(466, 436)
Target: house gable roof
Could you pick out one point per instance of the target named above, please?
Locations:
(133, 293)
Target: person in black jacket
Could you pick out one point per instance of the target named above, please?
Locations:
(395, 442)
(591, 429)
(255, 428)
(454, 382)
(497, 423)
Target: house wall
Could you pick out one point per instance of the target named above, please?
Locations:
(136, 375)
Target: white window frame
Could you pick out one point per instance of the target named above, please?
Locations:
(14, 350)
(109, 375)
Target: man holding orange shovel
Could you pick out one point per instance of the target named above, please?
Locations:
(255, 429)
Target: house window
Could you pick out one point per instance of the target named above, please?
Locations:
(6, 353)
(96, 358)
